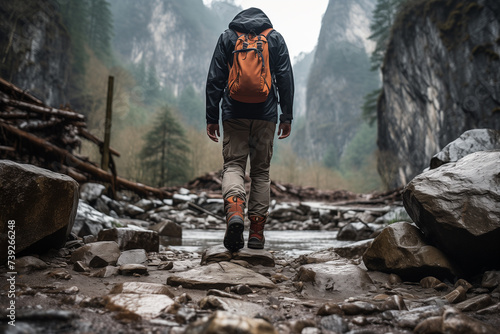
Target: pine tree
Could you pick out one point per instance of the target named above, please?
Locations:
(164, 154)
(384, 15)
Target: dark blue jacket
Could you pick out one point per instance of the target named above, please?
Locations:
(252, 19)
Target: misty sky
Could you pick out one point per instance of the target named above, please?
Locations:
(299, 21)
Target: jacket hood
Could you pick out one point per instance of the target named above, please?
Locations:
(251, 19)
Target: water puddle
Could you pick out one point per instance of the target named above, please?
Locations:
(292, 243)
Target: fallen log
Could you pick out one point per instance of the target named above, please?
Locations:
(42, 110)
(44, 148)
(5, 85)
(87, 135)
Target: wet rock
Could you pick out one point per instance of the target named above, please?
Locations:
(107, 271)
(320, 256)
(458, 323)
(456, 205)
(461, 282)
(355, 232)
(89, 221)
(432, 282)
(81, 267)
(142, 288)
(90, 192)
(429, 326)
(39, 206)
(353, 250)
(59, 274)
(165, 265)
(219, 293)
(224, 322)
(469, 142)
(334, 323)
(255, 257)
(329, 309)
(137, 256)
(27, 264)
(457, 295)
(494, 309)
(491, 279)
(397, 214)
(475, 303)
(334, 276)
(358, 307)
(131, 269)
(232, 305)
(128, 238)
(241, 289)
(218, 276)
(102, 253)
(410, 319)
(394, 302)
(213, 254)
(400, 249)
(145, 306)
(167, 228)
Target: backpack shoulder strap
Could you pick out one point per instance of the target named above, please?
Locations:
(266, 32)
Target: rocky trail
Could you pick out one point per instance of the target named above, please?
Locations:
(122, 273)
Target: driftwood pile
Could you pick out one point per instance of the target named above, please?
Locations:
(32, 132)
(211, 184)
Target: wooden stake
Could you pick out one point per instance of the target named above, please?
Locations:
(107, 126)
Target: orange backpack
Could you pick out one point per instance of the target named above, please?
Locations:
(250, 76)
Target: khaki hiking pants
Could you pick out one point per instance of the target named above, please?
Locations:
(244, 138)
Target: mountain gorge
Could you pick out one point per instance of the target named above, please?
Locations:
(339, 78)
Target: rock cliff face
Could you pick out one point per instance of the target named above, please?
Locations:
(177, 38)
(340, 76)
(33, 49)
(440, 78)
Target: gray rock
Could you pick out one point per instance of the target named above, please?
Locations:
(131, 269)
(219, 276)
(457, 205)
(491, 279)
(128, 238)
(400, 249)
(90, 192)
(397, 214)
(133, 210)
(106, 251)
(355, 231)
(145, 306)
(334, 323)
(356, 249)
(255, 257)
(235, 306)
(475, 303)
(142, 288)
(457, 322)
(37, 205)
(107, 271)
(469, 142)
(334, 276)
(225, 322)
(89, 221)
(27, 264)
(167, 228)
(131, 256)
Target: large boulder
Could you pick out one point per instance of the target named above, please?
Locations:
(457, 208)
(38, 204)
(469, 142)
(400, 249)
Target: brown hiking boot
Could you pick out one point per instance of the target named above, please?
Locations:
(256, 237)
(233, 239)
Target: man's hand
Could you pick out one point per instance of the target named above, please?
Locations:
(284, 130)
(213, 132)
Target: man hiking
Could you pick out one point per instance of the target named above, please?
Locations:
(250, 70)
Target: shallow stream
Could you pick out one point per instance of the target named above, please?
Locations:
(291, 243)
